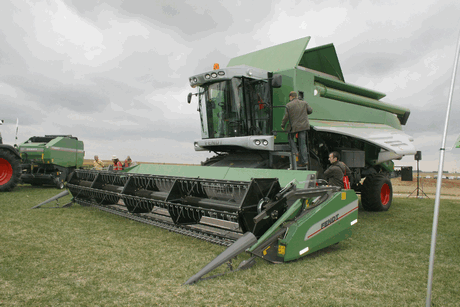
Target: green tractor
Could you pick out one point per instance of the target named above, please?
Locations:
(10, 166)
(50, 159)
(241, 108)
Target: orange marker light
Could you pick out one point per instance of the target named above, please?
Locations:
(216, 66)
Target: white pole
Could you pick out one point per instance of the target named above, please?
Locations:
(439, 181)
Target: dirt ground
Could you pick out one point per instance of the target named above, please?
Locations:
(450, 188)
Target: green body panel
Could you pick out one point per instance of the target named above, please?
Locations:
(315, 228)
(322, 58)
(311, 230)
(276, 58)
(61, 151)
(224, 173)
(343, 96)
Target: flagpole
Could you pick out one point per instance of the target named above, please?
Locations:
(439, 181)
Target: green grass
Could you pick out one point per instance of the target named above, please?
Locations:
(81, 256)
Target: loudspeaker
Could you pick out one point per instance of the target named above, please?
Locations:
(418, 156)
(406, 173)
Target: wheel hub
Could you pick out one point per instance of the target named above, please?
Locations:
(385, 193)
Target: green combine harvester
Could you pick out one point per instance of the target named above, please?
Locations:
(50, 159)
(241, 108)
(251, 196)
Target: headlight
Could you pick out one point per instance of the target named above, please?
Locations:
(214, 75)
(257, 142)
(265, 142)
(221, 73)
(208, 76)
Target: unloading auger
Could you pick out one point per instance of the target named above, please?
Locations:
(277, 215)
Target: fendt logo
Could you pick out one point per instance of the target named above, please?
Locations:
(329, 221)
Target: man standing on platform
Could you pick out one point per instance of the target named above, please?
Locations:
(297, 112)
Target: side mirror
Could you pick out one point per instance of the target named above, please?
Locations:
(189, 98)
(277, 80)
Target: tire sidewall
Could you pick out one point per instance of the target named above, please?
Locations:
(371, 196)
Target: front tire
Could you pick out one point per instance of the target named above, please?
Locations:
(10, 170)
(377, 193)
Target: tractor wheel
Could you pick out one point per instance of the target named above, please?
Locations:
(377, 193)
(59, 184)
(10, 170)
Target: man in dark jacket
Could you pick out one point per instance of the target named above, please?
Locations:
(297, 114)
(335, 172)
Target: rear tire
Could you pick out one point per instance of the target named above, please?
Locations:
(10, 170)
(377, 193)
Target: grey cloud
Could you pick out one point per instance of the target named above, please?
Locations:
(374, 55)
(191, 19)
(50, 93)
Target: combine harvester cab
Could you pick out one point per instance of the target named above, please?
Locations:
(241, 108)
(50, 159)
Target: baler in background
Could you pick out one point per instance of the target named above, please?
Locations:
(50, 159)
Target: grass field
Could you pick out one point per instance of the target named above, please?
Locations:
(80, 256)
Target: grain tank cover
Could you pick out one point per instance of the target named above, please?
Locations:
(291, 55)
(277, 58)
(323, 59)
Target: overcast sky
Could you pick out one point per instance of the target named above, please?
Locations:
(115, 73)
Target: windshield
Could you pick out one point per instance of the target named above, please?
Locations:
(238, 107)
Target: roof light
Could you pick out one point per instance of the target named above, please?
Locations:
(221, 73)
(265, 142)
(216, 66)
(257, 142)
(214, 75)
(208, 76)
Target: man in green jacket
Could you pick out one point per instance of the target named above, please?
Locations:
(297, 114)
(335, 172)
